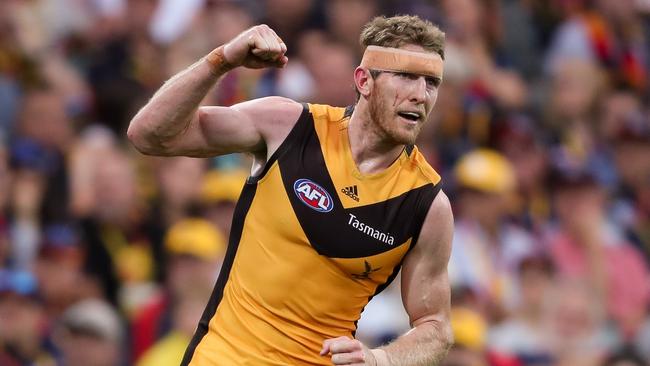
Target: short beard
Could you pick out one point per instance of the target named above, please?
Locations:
(384, 123)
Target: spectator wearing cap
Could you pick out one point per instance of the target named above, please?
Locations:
(59, 269)
(219, 193)
(470, 336)
(90, 332)
(195, 249)
(586, 246)
(487, 248)
(23, 322)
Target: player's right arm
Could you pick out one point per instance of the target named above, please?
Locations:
(173, 123)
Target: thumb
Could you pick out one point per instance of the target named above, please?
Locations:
(281, 61)
(326, 348)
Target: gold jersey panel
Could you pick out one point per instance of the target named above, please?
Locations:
(312, 241)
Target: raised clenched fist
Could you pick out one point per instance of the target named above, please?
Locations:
(256, 48)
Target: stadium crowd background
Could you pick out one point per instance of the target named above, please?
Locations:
(541, 133)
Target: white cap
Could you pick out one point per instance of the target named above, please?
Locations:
(95, 317)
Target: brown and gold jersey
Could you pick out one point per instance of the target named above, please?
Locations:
(313, 240)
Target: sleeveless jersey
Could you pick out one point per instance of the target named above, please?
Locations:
(312, 241)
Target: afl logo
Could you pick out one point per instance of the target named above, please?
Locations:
(313, 195)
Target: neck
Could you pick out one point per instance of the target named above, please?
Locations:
(371, 150)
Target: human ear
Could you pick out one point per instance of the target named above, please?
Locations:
(363, 81)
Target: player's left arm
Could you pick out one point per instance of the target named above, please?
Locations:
(426, 293)
(426, 297)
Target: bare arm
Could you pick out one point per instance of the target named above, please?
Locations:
(426, 296)
(426, 293)
(172, 123)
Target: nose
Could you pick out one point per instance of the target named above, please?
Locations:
(419, 90)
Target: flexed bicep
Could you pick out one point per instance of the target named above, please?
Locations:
(257, 126)
(173, 123)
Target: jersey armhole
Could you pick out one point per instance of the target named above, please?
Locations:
(295, 133)
(421, 212)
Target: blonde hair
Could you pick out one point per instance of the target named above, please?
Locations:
(402, 30)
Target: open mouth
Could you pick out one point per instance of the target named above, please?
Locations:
(411, 116)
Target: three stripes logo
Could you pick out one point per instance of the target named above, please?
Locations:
(351, 192)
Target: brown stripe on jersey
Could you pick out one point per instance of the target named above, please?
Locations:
(421, 212)
(304, 121)
(243, 205)
(239, 216)
(393, 217)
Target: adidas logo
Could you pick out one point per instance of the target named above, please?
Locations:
(351, 192)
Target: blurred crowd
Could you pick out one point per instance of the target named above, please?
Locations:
(541, 133)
